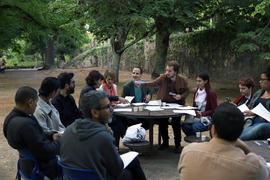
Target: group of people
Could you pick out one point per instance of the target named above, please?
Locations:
(49, 123)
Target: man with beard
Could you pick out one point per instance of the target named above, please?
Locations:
(173, 88)
(88, 144)
(64, 102)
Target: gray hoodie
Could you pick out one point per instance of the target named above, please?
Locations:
(87, 144)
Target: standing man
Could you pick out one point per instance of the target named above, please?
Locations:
(88, 144)
(24, 133)
(225, 156)
(64, 101)
(173, 88)
(140, 94)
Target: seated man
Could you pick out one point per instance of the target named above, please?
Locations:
(140, 94)
(88, 143)
(225, 156)
(24, 133)
(64, 101)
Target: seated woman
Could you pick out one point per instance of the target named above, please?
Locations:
(260, 129)
(246, 86)
(108, 85)
(205, 99)
(46, 114)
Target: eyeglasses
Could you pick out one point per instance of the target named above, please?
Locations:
(264, 79)
(108, 106)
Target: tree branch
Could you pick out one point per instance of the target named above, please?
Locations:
(151, 32)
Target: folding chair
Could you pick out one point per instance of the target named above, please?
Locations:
(36, 174)
(70, 173)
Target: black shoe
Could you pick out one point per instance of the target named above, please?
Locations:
(163, 147)
(178, 149)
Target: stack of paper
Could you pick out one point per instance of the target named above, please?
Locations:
(154, 103)
(153, 108)
(138, 104)
(260, 110)
(123, 105)
(122, 110)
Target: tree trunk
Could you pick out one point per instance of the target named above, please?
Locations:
(116, 57)
(161, 50)
(49, 57)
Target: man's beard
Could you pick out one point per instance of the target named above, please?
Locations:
(70, 90)
(104, 119)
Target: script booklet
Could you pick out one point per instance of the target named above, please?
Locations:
(127, 158)
(129, 98)
(260, 110)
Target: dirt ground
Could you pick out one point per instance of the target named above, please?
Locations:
(156, 164)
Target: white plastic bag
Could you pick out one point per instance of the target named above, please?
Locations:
(135, 133)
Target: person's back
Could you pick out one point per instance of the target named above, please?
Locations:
(220, 160)
(225, 156)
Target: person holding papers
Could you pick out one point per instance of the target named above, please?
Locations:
(260, 129)
(205, 99)
(140, 94)
(88, 144)
(47, 115)
(246, 86)
(173, 88)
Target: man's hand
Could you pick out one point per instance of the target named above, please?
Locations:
(248, 113)
(56, 136)
(198, 113)
(147, 98)
(123, 100)
(177, 97)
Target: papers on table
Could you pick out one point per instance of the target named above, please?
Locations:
(123, 105)
(185, 111)
(175, 105)
(127, 158)
(186, 108)
(129, 98)
(140, 82)
(122, 110)
(260, 110)
(138, 104)
(154, 103)
(153, 108)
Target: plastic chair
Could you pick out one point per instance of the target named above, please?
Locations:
(36, 173)
(70, 173)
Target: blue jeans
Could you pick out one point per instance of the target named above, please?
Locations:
(259, 130)
(191, 129)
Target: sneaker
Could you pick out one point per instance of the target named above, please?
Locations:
(163, 146)
(178, 149)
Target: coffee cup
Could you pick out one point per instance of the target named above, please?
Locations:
(198, 134)
(141, 108)
(203, 138)
(268, 140)
(135, 108)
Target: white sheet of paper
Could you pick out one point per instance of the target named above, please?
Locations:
(154, 108)
(268, 164)
(138, 104)
(140, 82)
(127, 158)
(186, 108)
(123, 105)
(243, 108)
(183, 111)
(154, 103)
(262, 112)
(122, 110)
(173, 105)
(129, 98)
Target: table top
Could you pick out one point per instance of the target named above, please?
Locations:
(149, 114)
(263, 149)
